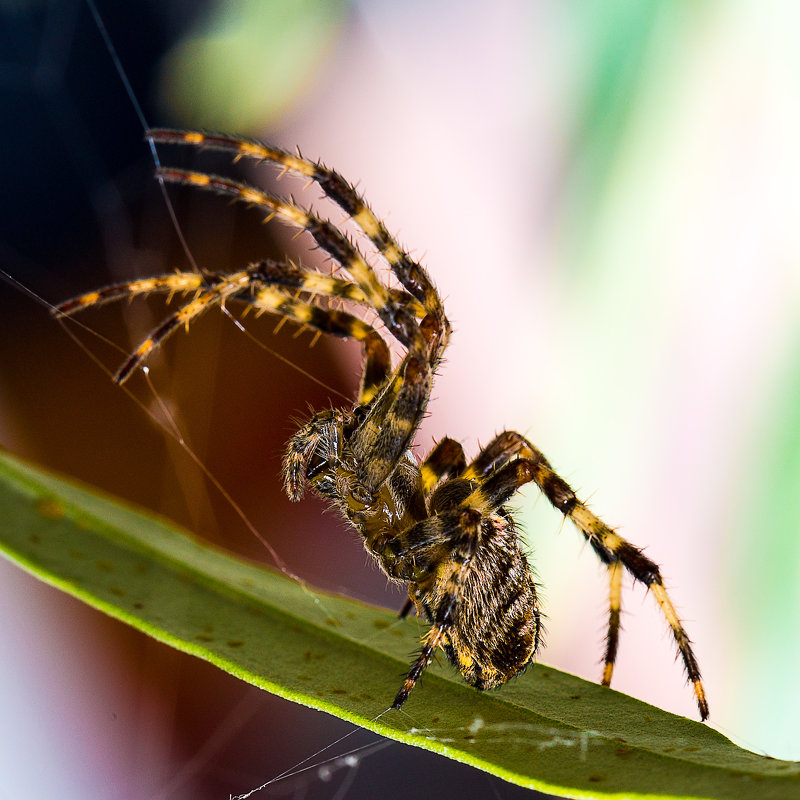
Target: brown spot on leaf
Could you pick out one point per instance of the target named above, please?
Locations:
(50, 508)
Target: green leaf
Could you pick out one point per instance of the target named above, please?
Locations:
(546, 730)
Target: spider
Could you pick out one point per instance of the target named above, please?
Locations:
(441, 525)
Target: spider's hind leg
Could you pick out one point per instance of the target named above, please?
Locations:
(611, 548)
(614, 610)
(446, 460)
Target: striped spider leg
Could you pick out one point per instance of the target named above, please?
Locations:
(441, 526)
(612, 550)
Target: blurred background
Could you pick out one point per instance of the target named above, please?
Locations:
(606, 194)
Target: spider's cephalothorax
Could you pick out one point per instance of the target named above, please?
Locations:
(441, 525)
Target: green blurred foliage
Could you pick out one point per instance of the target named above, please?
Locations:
(248, 61)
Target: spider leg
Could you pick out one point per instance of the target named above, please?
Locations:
(410, 274)
(273, 272)
(387, 431)
(434, 638)
(498, 452)
(382, 439)
(177, 283)
(447, 605)
(214, 295)
(614, 605)
(400, 321)
(611, 548)
(406, 609)
(333, 321)
(445, 460)
(501, 450)
(291, 276)
(264, 285)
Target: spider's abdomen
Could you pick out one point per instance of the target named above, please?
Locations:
(497, 625)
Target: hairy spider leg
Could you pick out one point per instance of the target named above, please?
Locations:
(337, 323)
(469, 525)
(176, 283)
(214, 289)
(611, 548)
(344, 194)
(615, 573)
(202, 301)
(399, 319)
(276, 273)
(381, 440)
(453, 536)
(446, 460)
(499, 451)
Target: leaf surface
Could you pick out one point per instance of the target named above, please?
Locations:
(545, 730)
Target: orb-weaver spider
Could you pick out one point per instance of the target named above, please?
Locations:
(440, 525)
